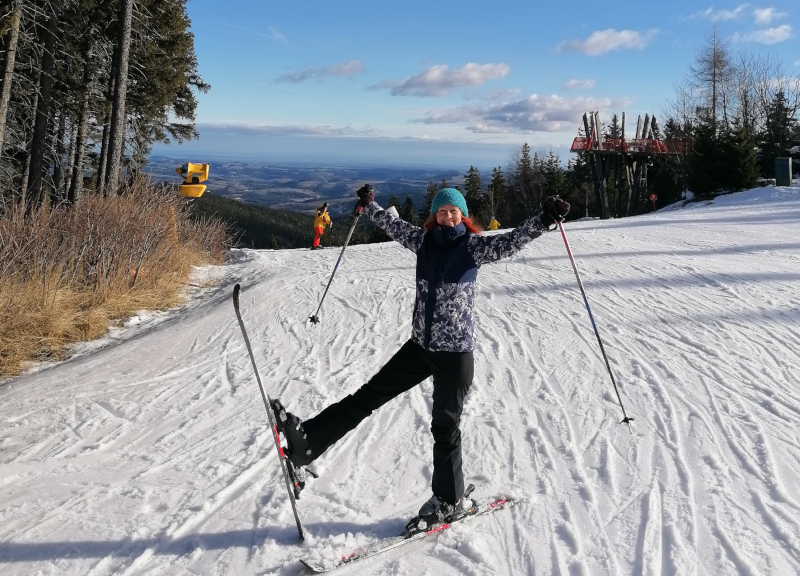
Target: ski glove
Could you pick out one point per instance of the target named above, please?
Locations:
(553, 210)
(366, 195)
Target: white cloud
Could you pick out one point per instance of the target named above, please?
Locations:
(241, 129)
(344, 70)
(797, 62)
(532, 114)
(766, 36)
(579, 83)
(718, 15)
(441, 81)
(767, 15)
(604, 41)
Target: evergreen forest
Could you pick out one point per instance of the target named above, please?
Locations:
(86, 88)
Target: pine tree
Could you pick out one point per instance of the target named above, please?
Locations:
(472, 191)
(161, 93)
(35, 192)
(77, 161)
(496, 203)
(54, 101)
(680, 134)
(705, 164)
(780, 130)
(9, 60)
(526, 185)
(614, 130)
(117, 125)
(430, 193)
(578, 187)
(553, 175)
(407, 211)
(741, 163)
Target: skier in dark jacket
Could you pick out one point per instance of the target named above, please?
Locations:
(449, 249)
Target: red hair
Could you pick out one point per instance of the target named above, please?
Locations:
(471, 226)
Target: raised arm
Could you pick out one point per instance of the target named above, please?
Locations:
(491, 248)
(406, 234)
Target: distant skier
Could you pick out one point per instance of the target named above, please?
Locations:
(494, 224)
(449, 249)
(323, 219)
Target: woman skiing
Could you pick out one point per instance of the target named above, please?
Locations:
(449, 250)
(323, 219)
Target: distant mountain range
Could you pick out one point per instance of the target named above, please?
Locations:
(303, 189)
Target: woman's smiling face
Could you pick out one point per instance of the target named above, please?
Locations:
(448, 215)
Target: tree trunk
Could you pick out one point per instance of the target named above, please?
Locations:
(8, 73)
(70, 174)
(42, 113)
(120, 90)
(76, 186)
(58, 165)
(26, 163)
(103, 165)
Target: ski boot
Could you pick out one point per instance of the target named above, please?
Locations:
(297, 453)
(436, 512)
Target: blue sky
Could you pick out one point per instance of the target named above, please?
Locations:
(416, 82)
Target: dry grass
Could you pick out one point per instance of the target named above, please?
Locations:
(66, 274)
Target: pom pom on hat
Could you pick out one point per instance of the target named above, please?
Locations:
(450, 196)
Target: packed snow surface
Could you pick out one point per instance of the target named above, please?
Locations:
(150, 453)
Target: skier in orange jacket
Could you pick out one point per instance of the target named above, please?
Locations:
(323, 219)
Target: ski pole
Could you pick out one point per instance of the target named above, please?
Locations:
(356, 213)
(626, 419)
(270, 416)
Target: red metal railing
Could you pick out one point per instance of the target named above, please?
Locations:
(646, 145)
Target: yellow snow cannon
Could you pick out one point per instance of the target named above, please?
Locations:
(193, 174)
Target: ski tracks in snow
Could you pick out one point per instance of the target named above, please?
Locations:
(154, 456)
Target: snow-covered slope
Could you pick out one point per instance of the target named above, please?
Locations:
(152, 455)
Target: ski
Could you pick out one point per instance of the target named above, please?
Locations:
(289, 484)
(396, 541)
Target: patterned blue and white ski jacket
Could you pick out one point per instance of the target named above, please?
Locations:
(447, 266)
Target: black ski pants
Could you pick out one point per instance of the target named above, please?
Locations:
(452, 376)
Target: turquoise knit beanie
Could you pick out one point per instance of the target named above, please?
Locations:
(449, 196)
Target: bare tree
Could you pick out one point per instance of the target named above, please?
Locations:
(12, 37)
(744, 84)
(770, 80)
(712, 74)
